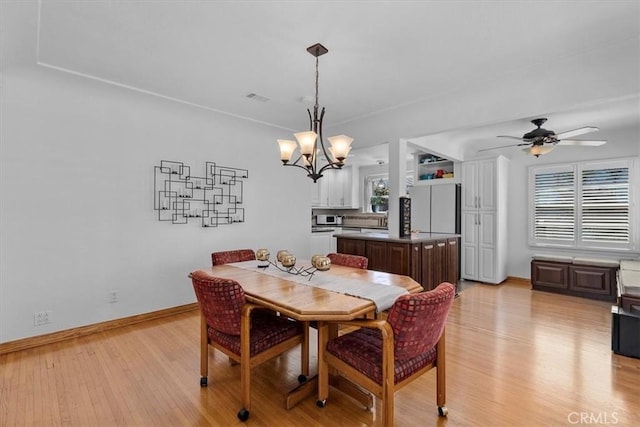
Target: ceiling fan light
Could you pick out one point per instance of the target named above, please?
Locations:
(286, 149)
(307, 141)
(538, 150)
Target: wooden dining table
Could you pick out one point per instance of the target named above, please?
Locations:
(308, 303)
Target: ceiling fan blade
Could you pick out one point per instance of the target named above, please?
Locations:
(576, 132)
(512, 137)
(505, 146)
(593, 143)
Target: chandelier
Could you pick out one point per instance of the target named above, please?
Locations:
(308, 141)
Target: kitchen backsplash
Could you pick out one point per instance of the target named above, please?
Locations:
(353, 218)
(365, 220)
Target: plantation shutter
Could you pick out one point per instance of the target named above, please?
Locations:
(605, 205)
(554, 206)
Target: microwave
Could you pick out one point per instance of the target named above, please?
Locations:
(328, 220)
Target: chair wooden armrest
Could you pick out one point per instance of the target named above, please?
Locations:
(406, 345)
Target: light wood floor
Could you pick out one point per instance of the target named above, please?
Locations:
(515, 357)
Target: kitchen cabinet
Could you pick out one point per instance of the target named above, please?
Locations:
(353, 247)
(480, 184)
(484, 220)
(398, 258)
(479, 248)
(376, 252)
(337, 189)
(435, 262)
(321, 243)
(429, 261)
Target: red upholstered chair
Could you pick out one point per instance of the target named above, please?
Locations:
(384, 356)
(242, 331)
(355, 261)
(226, 257)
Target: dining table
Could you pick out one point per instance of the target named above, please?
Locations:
(338, 294)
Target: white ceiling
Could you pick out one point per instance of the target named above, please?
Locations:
(385, 58)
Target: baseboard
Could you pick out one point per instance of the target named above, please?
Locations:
(519, 280)
(54, 337)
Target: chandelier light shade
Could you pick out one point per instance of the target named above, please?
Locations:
(311, 143)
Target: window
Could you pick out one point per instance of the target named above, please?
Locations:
(374, 199)
(585, 205)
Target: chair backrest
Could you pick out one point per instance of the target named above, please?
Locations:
(226, 257)
(220, 301)
(347, 260)
(418, 320)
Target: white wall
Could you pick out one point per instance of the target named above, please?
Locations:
(76, 188)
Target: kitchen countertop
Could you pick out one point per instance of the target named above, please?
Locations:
(384, 237)
(326, 228)
(321, 229)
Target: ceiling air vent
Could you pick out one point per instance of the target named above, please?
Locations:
(257, 97)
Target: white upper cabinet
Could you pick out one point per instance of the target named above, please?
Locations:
(479, 185)
(337, 189)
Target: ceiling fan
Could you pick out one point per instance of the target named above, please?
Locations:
(541, 141)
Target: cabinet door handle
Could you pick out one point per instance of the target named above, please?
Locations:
(416, 249)
(475, 201)
(429, 247)
(479, 219)
(440, 245)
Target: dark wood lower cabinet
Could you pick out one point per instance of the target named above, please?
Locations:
(398, 258)
(452, 257)
(428, 262)
(377, 254)
(352, 246)
(588, 281)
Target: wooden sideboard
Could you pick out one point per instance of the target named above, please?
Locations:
(428, 258)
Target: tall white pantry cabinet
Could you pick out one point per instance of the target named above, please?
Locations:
(484, 220)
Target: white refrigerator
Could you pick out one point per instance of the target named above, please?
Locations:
(435, 208)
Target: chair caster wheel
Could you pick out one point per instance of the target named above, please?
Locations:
(321, 403)
(203, 382)
(302, 379)
(243, 415)
(443, 411)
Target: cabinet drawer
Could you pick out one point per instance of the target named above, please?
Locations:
(549, 274)
(593, 280)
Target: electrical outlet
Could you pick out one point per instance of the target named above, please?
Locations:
(113, 296)
(41, 318)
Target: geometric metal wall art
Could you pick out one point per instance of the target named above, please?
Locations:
(213, 199)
